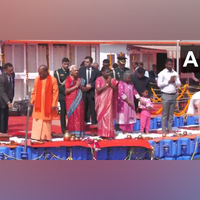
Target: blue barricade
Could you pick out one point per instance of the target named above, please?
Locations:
(157, 149)
(156, 146)
(140, 153)
(79, 153)
(168, 149)
(10, 153)
(18, 151)
(168, 159)
(197, 157)
(117, 153)
(192, 147)
(157, 122)
(3, 152)
(152, 143)
(181, 121)
(102, 154)
(59, 153)
(137, 125)
(184, 158)
(175, 122)
(148, 154)
(183, 148)
(196, 120)
(191, 120)
(35, 153)
(196, 146)
(152, 124)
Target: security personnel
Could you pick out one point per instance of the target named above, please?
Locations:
(61, 75)
(119, 71)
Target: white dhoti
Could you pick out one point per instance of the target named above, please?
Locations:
(194, 104)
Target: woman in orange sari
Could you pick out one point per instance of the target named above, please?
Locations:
(105, 103)
(74, 102)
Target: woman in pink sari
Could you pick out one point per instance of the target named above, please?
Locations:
(105, 105)
(126, 115)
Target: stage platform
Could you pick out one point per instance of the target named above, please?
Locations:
(17, 124)
(176, 146)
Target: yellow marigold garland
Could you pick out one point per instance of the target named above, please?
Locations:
(155, 95)
(178, 98)
(159, 99)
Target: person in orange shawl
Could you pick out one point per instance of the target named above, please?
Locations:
(44, 97)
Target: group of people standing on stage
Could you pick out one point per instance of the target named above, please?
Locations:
(88, 95)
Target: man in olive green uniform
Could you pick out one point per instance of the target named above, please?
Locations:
(119, 71)
(61, 75)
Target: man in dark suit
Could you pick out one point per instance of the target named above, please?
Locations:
(89, 74)
(7, 85)
(135, 66)
(141, 65)
(61, 75)
(141, 82)
(153, 74)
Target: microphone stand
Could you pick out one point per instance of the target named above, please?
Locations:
(24, 154)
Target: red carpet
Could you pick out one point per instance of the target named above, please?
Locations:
(17, 126)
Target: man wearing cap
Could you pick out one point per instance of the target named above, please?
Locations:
(119, 71)
(61, 75)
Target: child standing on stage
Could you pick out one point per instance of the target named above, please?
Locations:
(145, 116)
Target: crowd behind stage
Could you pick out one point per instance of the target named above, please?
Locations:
(89, 95)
